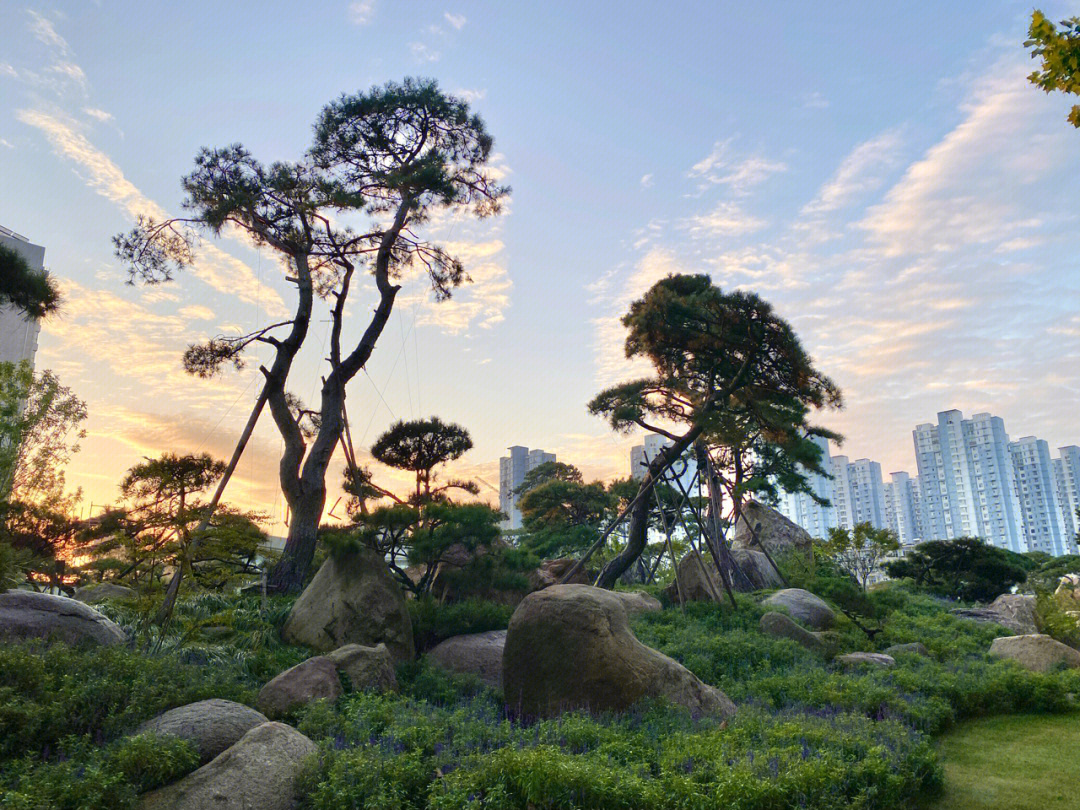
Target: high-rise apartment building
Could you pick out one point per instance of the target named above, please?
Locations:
(967, 480)
(802, 508)
(902, 508)
(19, 333)
(1041, 513)
(1067, 486)
(512, 471)
(680, 475)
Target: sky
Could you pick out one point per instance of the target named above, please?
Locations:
(884, 175)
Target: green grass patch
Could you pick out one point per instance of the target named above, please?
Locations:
(1022, 762)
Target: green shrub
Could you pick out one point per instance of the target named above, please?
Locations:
(1055, 621)
(81, 775)
(433, 622)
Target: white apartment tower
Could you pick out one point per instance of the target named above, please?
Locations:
(19, 333)
(680, 475)
(902, 508)
(967, 480)
(803, 509)
(1043, 523)
(512, 471)
(1067, 487)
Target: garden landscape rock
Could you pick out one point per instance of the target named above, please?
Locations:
(550, 572)
(212, 725)
(916, 647)
(352, 600)
(479, 654)
(367, 668)
(102, 592)
(636, 602)
(780, 625)
(1036, 652)
(1011, 610)
(778, 535)
(754, 573)
(26, 615)
(854, 659)
(309, 680)
(570, 647)
(804, 606)
(257, 773)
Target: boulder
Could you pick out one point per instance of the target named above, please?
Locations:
(762, 526)
(26, 614)
(636, 602)
(695, 580)
(368, 668)
(916, 647)
(352, 600)
(102, 592)
(1013, 611)
(309, 680)
(804, 606)
(780, 625)
(752, 572)
(551, 571)
(1068, 590)
(212, 725)
(1036, 652)
(855, 659)
(479, 654)
(257, 773)
(570, 647)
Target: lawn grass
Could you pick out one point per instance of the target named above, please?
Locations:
(1019, 762)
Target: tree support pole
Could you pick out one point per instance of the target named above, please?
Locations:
(164, 614)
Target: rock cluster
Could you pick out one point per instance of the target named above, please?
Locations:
(804, 606)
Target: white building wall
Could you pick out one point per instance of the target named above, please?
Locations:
(1042, 519)
(512, 471)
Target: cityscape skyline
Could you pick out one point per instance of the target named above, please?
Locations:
(972, 480)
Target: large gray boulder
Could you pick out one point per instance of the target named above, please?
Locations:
(913, 647)
(257, 773)
(752, 571)
(102, 592)
(852, 660)
(780, 625)
(368, 668)
(570, 647)
(313, 679)
(779, 536)
(479, 654)
(352, 600)
(26, 614)
(1036, 652)
(1013, 611)
(804, 606)
(212, 725)
(637, 602)
(551, 571)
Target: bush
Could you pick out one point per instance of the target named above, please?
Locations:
(81, 775)
(433, 622)
(965, 568)
(399, 753)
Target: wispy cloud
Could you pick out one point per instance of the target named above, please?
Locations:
(424, 53)
(456, 20)
(726, 219)
(861, 172)
(647, 181)
(740, 173)
(361, 12)
(44, 32)
(97, 114)
(214, 266)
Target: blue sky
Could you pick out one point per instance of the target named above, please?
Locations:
(885, 176)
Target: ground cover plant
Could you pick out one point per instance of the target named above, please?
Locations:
(808, 733)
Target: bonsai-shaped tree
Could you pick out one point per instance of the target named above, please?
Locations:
(390, 158)
(714, 354)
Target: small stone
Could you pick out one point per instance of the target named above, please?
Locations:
(854, 659)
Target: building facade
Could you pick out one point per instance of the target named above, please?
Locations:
(902, 508)
(19, 333)
(1067, 485)
(682, 474)
(1040, 510)
(512, 471)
